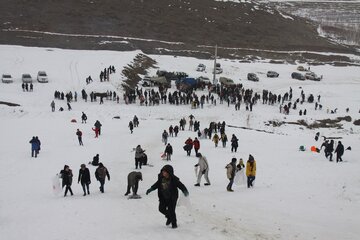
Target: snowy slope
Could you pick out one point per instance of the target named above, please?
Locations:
(297, 195)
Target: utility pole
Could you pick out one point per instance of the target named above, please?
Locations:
(214, 72)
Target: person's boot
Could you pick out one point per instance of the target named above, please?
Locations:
(207, 184)
(168, 221)
(197, 185)
(84, 194)
(174, 225)
(127, 193)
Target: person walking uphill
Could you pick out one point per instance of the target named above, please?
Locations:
(101, 173)
(167, 186)
(250, 171)
(34, 146)
(168, 151)
(83, 118)
(79, 134)
(188, 146)
(339, 152)
(98, 126)
(139, 154)
(230, 173)
(196, 144)
(66, 175)
(84, 178)
(204, 170)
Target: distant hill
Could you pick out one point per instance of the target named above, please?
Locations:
(193, 25)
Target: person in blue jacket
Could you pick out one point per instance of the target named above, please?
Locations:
(34, 146)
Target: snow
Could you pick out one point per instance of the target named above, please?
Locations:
(285, 16)
(88, 35)
(297, 195)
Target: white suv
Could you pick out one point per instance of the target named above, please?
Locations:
(42, 77)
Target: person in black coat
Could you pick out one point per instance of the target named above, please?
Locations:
(98, 126)
(329, 148)
(234, 143)
(167, 186)
(339, 152)
(83, 118)
(95, 161)
(66, 175)
(168, 151)
(84, 178)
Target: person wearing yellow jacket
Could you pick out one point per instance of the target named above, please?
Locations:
(250, 171)
(216, 139)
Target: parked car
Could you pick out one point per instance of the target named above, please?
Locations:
(205, 80)
(226, 81)
(252, 77)
(298, 76)
(218, 68)
(301, 68)
(42, 77)
(272, 74)
(201, 67)
(145, 82)
(6, 78)
(26, 78)
(312, 76)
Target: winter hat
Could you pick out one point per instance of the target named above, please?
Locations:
(66, 166)
(101, 165)
(169, 169)
(233, 160)
(82, 165)
(251, 158)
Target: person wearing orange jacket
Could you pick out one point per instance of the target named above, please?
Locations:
(250, 171)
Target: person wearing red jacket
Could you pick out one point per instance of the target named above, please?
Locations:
(196, 144)
(188, 146)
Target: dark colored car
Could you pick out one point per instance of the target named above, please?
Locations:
(272, 74)
(252, 77)
(298, 76)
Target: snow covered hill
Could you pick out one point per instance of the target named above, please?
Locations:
(297, 195)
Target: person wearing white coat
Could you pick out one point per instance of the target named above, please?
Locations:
(203, 170)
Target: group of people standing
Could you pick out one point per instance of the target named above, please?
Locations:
(232, 168)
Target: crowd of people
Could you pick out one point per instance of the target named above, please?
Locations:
(168, 183)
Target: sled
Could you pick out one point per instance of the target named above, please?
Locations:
(134, 197)
(56, 186)
(240, 178)
(184, 201)
(148, 164)
(314, 149)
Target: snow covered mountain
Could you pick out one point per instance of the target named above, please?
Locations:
(180, 27)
